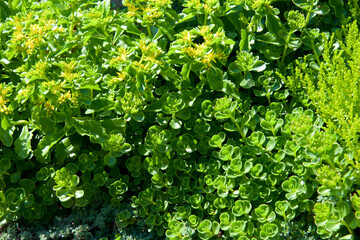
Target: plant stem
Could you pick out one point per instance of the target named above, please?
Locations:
(72, 24)
(308, 17)
(105, 32)
(268, 98)
(348, 227)
(330, 162)
(92, 96)
(149, 31)
(238, 128)
(315, 53)
(285, 49)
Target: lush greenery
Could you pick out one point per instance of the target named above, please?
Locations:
(234, 119)
(90, 223)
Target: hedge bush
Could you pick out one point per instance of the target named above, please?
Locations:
(213, 119)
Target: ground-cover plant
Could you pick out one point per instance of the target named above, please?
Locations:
(97, 222)
(335, 84)
(179, 108)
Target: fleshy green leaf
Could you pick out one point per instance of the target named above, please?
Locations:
(91, 128)
(23, 143)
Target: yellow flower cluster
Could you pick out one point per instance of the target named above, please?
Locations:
(68, 71)
(147, 11)
(59, 95)
(49, 108)
(149, 56)
(203, 52)
(53, 87)
(119, 78)
(72, 97)
(95, 17)
(38, 71)
(208, 6)
(120, 58)
(24, 93)
(31, 31)
(5, 91)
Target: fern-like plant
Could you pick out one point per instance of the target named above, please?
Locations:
(334, 88)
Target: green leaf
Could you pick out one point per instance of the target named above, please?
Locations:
(216, 21)
(325, 191)
(332, 226)
(176, 228)
(23, 143)
(4, 11)
(105, 6)
(214, 78)
(185, 17)
(229, 127)
(130, 27)
(220, 115)
(273, 23)
(15, 177)
(241, 207)
(157, 106)
(338, 6)
(44, 147)
(91, 128)
(205, 226)
(226, 152)
(343, 208)
(6, 137)
(266, 125)
(258, 66)
(234, 19)
(79, 193)
(5, 123)
(185, 72)
(269, 230)
(89, 84)
(5, 165)
(270, 144)
(110, 160)
(184, 114)
(217, 140)
(138, 116)
(81, 202)
(304, 4)
(27, 184)
(244, 42)
(97, 105)
(237, 228)
(72, 167)
(347, 237)
(324, 9)
(15, 4)
(274, 40)
(175, 123)
(247, 82)
(168, 30)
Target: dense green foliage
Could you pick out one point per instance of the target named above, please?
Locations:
(96, 222)
(233, 119)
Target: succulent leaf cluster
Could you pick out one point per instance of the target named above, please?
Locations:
(213, 119)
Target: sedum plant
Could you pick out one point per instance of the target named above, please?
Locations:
(338, 69)
(179, 108)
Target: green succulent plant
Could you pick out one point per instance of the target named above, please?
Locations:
(211, 119)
